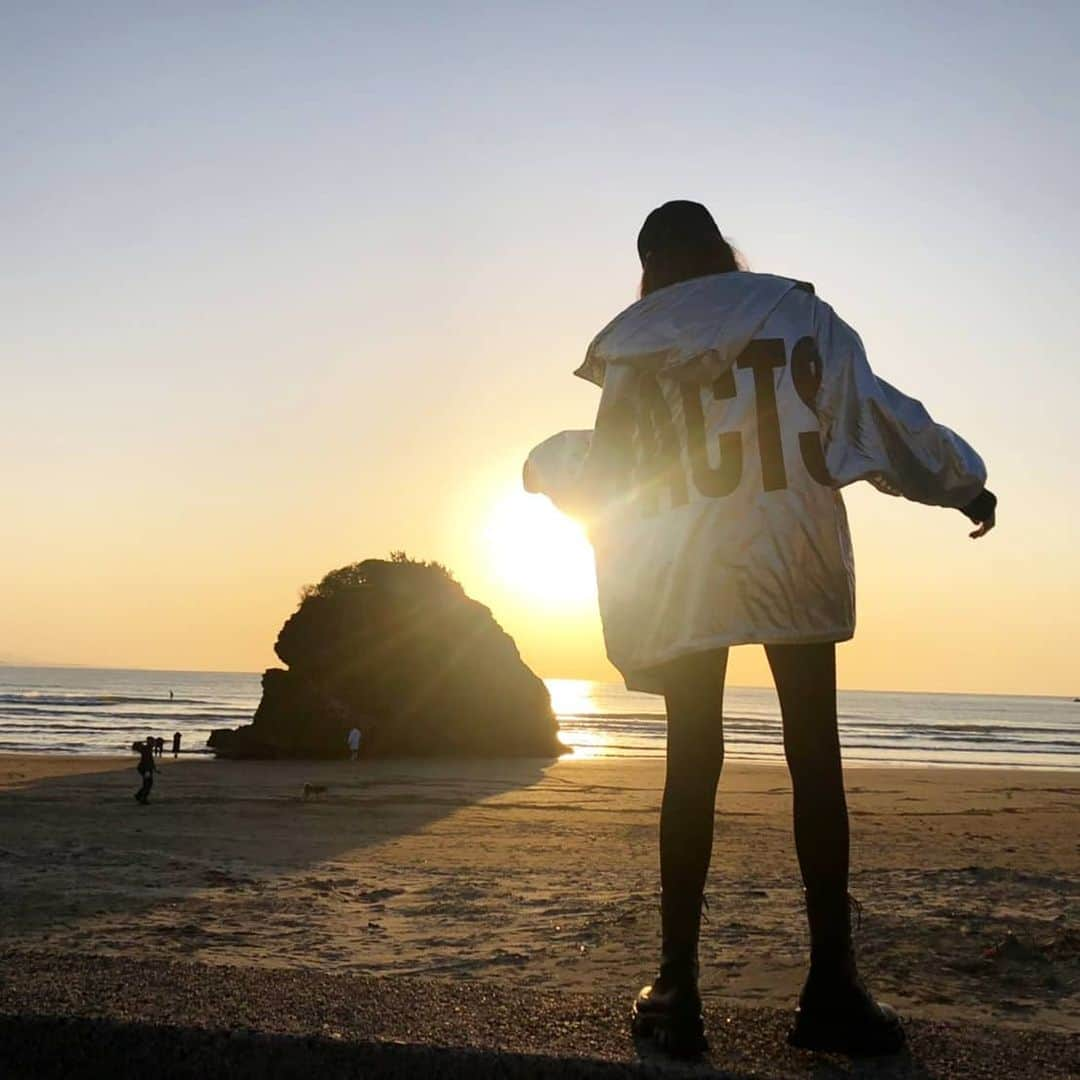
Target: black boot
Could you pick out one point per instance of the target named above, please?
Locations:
(836, 1011)
(669, 1010)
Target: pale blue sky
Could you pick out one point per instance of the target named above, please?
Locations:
(282, 281)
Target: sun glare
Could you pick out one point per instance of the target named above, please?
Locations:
(537, 552)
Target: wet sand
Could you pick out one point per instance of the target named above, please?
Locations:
(542, 875)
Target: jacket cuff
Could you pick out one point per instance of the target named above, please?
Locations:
(981, 507)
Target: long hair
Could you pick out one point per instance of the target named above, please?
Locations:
(663, 268)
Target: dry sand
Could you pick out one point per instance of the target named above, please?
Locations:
(543, 875)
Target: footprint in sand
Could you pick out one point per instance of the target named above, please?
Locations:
(376, 896)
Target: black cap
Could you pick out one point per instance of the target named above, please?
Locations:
(679, 225)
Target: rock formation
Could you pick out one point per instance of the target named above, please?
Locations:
(397, 649)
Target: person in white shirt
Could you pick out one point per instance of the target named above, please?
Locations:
(733, 408)
(354, 744)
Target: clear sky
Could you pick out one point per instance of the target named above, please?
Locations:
(290, 285)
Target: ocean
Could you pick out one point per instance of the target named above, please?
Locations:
(102, 711)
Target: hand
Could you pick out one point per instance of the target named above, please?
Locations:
(984, 526)
(982, 510)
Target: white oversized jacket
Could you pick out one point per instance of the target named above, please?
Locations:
(733, 408)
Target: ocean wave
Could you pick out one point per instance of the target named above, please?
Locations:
(33, 697)
(888, 731)
(53, 716)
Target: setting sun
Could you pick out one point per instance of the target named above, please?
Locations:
(539, 553)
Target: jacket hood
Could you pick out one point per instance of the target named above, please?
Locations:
(693, 330)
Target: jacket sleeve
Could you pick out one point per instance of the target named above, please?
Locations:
(556, 469)
(871, 431)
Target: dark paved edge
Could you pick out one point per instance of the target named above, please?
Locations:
(45, 1048)
(75, 1015)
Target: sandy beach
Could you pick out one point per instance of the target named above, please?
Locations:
(543, 875)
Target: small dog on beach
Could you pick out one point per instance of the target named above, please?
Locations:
(311, 790)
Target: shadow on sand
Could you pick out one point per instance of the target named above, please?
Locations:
(83, 866)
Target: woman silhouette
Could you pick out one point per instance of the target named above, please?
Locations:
(733, 407)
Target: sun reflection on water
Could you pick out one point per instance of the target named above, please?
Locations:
(571, 698)
(586, 744)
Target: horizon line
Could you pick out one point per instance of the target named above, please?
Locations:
(568, 678)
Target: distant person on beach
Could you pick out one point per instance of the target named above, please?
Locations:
(354, 744)
(176, 744)
(159, 746)
(171, 695)
(146, 769)
(734, 406)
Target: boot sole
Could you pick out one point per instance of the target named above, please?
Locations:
(839, 1038)
(683, 1038)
